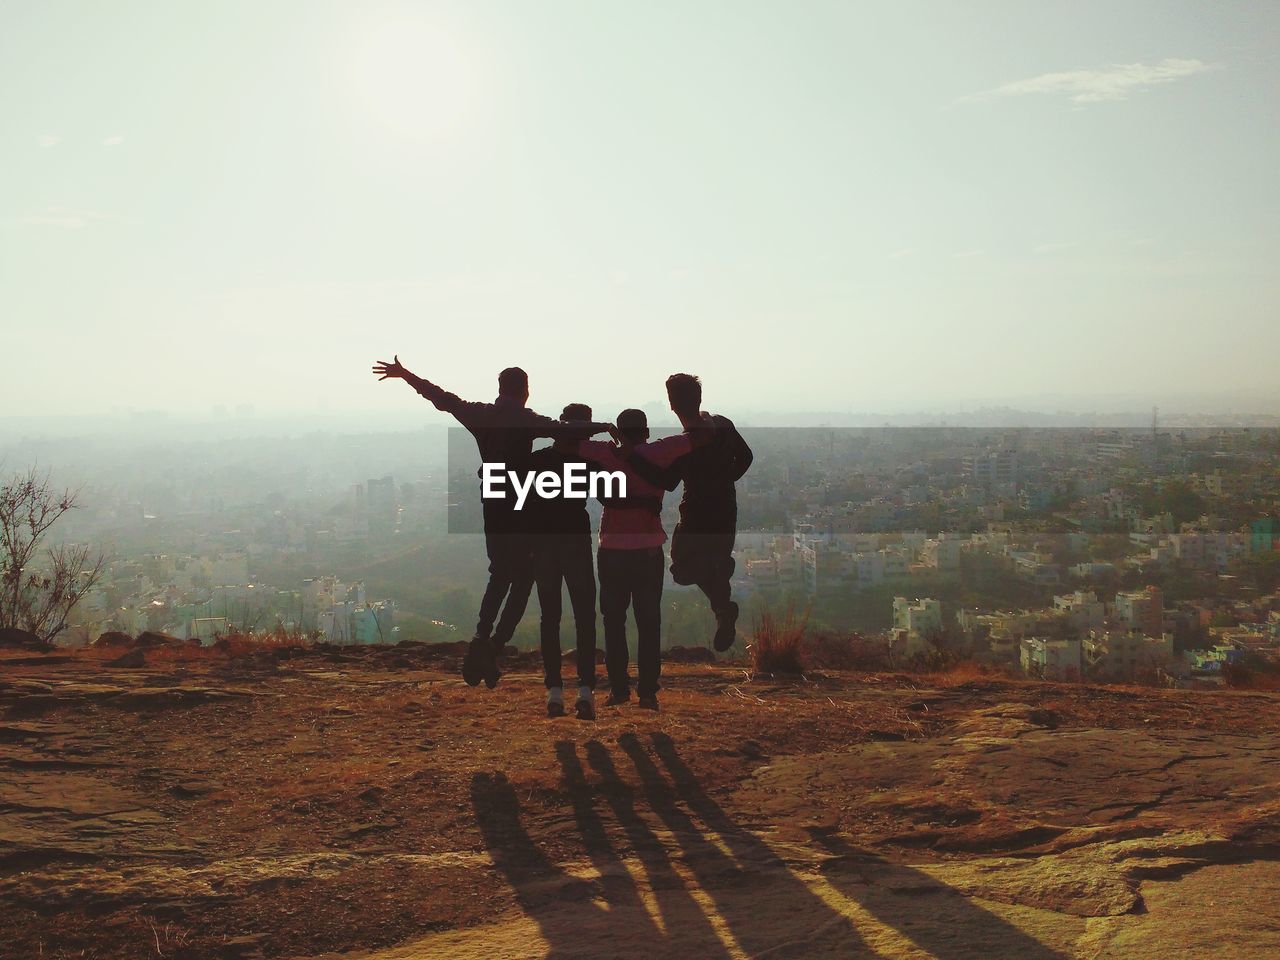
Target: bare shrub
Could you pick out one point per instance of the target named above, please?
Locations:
(777, 641)
(37, 594)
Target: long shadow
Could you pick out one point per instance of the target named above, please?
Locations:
(769, 910)
(951, 927)
(681, 914)
(563, 906)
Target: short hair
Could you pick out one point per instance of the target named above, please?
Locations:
(513, 380)
(576, 411)
(632, 422)
(684, 390)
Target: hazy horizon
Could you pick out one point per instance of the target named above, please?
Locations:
(882, 207)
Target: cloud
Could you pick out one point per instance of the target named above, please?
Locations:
(1044, 248)
(1093, 86)
(63, 217)
(113, 141)
(968, 253)
(899, 254)
(48, 140)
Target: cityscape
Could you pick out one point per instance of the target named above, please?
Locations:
(1059, 553)
(917, 358)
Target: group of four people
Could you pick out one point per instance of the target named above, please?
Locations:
(547, 541)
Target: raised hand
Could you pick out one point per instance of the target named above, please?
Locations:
(384, 371)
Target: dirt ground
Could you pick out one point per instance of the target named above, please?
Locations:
(369, 804)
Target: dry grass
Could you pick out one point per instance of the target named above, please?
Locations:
(231, 646)
(777, 641)
(1254, 675)
(833, 651)
(967, 671)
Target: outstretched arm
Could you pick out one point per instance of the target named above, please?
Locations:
(441, 398)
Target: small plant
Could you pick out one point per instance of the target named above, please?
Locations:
(777, 642)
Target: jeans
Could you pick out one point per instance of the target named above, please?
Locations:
(510, 574)
(632, 578)
(566, 558)
(705, 560)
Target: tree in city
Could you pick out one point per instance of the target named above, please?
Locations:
(39, 589)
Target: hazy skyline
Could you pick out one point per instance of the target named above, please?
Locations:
(827, 206)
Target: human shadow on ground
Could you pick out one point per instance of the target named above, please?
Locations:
(923, 909)
(708, 880)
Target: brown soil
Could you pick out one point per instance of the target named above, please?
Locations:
(342, 804)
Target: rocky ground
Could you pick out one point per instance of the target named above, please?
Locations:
(328, 804)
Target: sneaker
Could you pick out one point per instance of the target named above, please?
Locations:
(555, 702)
(726, 627)
(617, 699)
(585, 708)
(479, 653)
(649, 703)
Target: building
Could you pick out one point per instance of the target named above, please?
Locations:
(1090, 571)
(351, 622)
(1051, 659)
(1141, 610)
(1126, 654)
(1084, 610)
(1264, 535)
(923, 618)
(942, 554)
(825, 567)
(1214, 659)
(991, 468)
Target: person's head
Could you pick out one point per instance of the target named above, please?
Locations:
(514, 382)
(684, 391)
(633, 426)
(573, 413)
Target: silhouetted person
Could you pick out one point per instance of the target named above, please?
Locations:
(702, 542)
(631, 560)
(560, 532)
(504, 432)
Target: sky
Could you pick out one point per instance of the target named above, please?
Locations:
(815, 206)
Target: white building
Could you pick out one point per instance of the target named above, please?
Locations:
(1052, 659)
(921, 617)
(1085, 611)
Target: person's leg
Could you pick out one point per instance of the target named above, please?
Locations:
(495, 591)
(548, 579)
(615, 596)
(715, 568)
(684, 570)
(703, 556)
(518, 558)
(480, 662)
(649, 572)
(581, 580)
(703, 559)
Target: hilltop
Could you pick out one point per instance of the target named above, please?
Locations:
(347, 803)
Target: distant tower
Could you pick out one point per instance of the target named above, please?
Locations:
(1155, 422)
